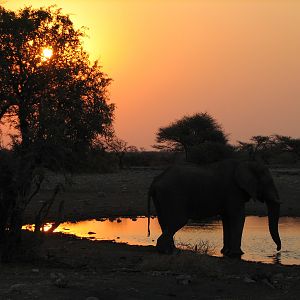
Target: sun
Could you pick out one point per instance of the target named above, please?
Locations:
(47, 53)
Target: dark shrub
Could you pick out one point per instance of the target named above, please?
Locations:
(209, 152)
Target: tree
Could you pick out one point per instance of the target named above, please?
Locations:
(259, 145)
(119, 147)
(267, 147)
(288, 144)
(190, 132)
(50, 94)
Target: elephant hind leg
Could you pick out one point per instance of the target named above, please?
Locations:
(165, 243)
(171, 213)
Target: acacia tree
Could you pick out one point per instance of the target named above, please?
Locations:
(265, 147)
(113, 144)
(288, 144)
(51, 95)
(259, 146)
(190, 132)
(119, 147)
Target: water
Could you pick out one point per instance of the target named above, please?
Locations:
(256, 243)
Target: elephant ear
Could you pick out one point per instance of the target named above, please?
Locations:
(246, 179)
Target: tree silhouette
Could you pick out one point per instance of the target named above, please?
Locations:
(190, 132)
(119, 147)
(266, 147)
(50, 94)
(288, 144)
(259, 146)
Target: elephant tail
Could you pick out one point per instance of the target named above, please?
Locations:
(150, 195)
(149, 204)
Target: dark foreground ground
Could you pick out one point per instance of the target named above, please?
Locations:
(64, 267)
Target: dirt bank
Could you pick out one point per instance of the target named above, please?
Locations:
(125, 194)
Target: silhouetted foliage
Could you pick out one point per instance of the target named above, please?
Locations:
(61, 99)
(209, 152)
(113, 144)
(258, 146)
(288, 144)
(271, 148)
(151, 159)
(189, 133)
(57, 104)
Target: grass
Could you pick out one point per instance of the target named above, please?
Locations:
(202, 247)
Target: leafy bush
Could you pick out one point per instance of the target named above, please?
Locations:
(209, 152)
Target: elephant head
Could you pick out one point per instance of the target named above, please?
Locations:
(255, 179)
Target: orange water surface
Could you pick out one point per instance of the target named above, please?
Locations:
(257, 243)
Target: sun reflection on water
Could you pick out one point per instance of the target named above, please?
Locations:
(257, 243)
(31, 227)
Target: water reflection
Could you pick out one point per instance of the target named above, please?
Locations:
(276, 258)
(257, 243)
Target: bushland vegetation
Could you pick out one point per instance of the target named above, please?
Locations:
(198, 138)
(272, 149)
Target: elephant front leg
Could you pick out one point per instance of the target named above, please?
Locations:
(226, 235)
(236, 226)
(233, 219)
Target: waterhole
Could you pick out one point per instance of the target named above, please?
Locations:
(206, 237)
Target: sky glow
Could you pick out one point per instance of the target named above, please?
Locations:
(237, 60)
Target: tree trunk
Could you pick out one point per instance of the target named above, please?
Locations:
(24, 126)
(14, 235)
(121, 160)
(186, 152)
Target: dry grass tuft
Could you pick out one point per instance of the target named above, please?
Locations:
(202, 247)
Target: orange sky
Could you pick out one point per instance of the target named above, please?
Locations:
(237, 60)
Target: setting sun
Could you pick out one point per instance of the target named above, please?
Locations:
(47, 53)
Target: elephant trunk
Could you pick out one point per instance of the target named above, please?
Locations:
(273, 215)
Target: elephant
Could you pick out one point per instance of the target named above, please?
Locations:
(191, 191)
